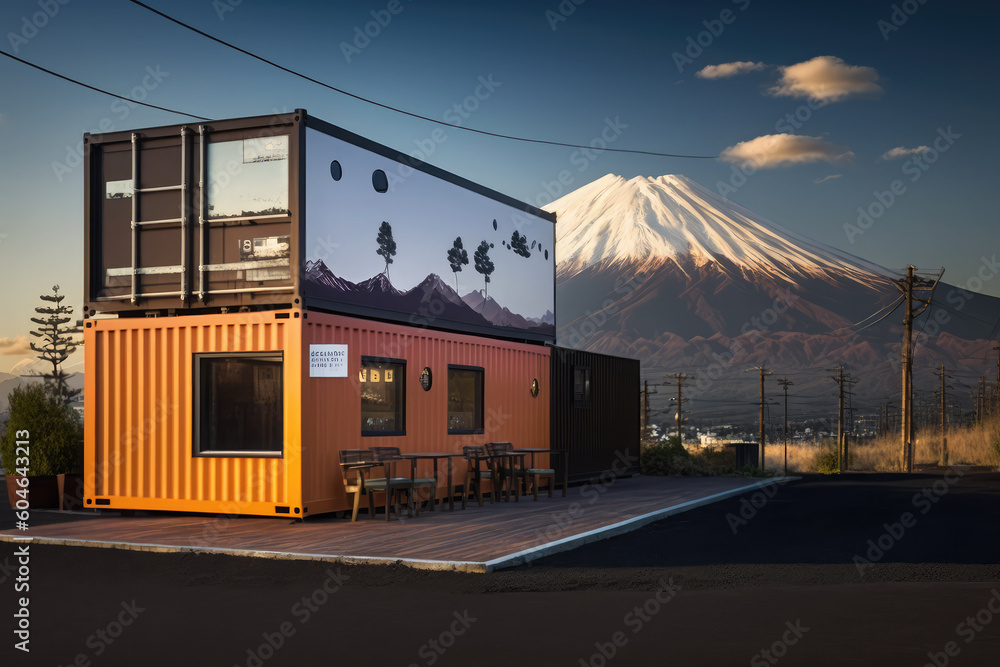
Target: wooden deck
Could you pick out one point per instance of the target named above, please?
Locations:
(475, 539)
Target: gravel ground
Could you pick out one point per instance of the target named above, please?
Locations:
(752, 580)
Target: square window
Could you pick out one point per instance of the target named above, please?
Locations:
(238, 405)
(383, 396)
(465, 399)
(581, 386)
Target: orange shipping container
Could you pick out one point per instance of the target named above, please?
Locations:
(242, 413)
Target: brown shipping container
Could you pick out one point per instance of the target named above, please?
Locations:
(288, 211)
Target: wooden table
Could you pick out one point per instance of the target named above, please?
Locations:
(435, 457)
(536, 450)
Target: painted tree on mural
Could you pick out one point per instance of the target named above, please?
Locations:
(386, 246)
(484, 265)
(519, 244)
(457, 256)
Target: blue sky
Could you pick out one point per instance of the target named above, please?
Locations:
(551, 70)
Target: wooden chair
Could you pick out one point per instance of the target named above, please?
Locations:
(353, 465)
(475, 456)
(504, 469)
(388, 457)
(535, 474)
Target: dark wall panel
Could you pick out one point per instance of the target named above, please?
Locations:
(601, 433)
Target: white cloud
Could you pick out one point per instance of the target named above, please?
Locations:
(826, 79)
(726, 70)
(778, 150)
(16, 346)
(900, 152)
(827, 178)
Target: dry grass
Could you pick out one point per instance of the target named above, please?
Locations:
(975, 445)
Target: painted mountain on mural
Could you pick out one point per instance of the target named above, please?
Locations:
(668, 272)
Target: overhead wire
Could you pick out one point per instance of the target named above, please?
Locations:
(99, 90)
(411, 114)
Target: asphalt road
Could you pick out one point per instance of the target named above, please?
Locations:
(857, 569)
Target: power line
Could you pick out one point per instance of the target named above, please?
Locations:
(403, 111)
(100, 90)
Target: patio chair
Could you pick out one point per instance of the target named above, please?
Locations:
(504, 469)
(389, 456)
(475, 473)
(352, 465)
(535, 474)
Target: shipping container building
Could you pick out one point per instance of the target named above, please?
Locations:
(261, 293)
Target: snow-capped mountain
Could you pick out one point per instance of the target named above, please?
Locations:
(646, 222)
(663, 270)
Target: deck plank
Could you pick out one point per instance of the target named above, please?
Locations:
(474, 539)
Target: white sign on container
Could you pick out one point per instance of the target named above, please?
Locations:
(327, 361)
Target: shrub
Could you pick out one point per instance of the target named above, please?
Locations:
(671, 458)
(828, 461)
(54, 431)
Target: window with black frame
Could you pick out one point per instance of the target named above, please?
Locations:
(383, 396)
(239, 404)
(465, 399)
(581, 386)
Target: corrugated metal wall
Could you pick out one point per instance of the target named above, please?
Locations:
(331, 407)
(604, 436)
(138, 412)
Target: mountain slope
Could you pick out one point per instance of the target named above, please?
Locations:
(646, 222)
(662, 270)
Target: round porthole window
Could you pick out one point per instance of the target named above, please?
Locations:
(380, 181)
(426, 378)
(534, 387)
(335, 171)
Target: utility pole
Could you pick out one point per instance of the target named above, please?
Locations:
(785, 383)
(681, 379)
(944, 419)
(996, 397)
(906, 286)
(763, 373)
(842, 448)
(981, 398)
(645, 408)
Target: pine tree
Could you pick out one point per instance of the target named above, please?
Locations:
(57, 346)
(457, 256)
(386, 246)
(484, 265)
